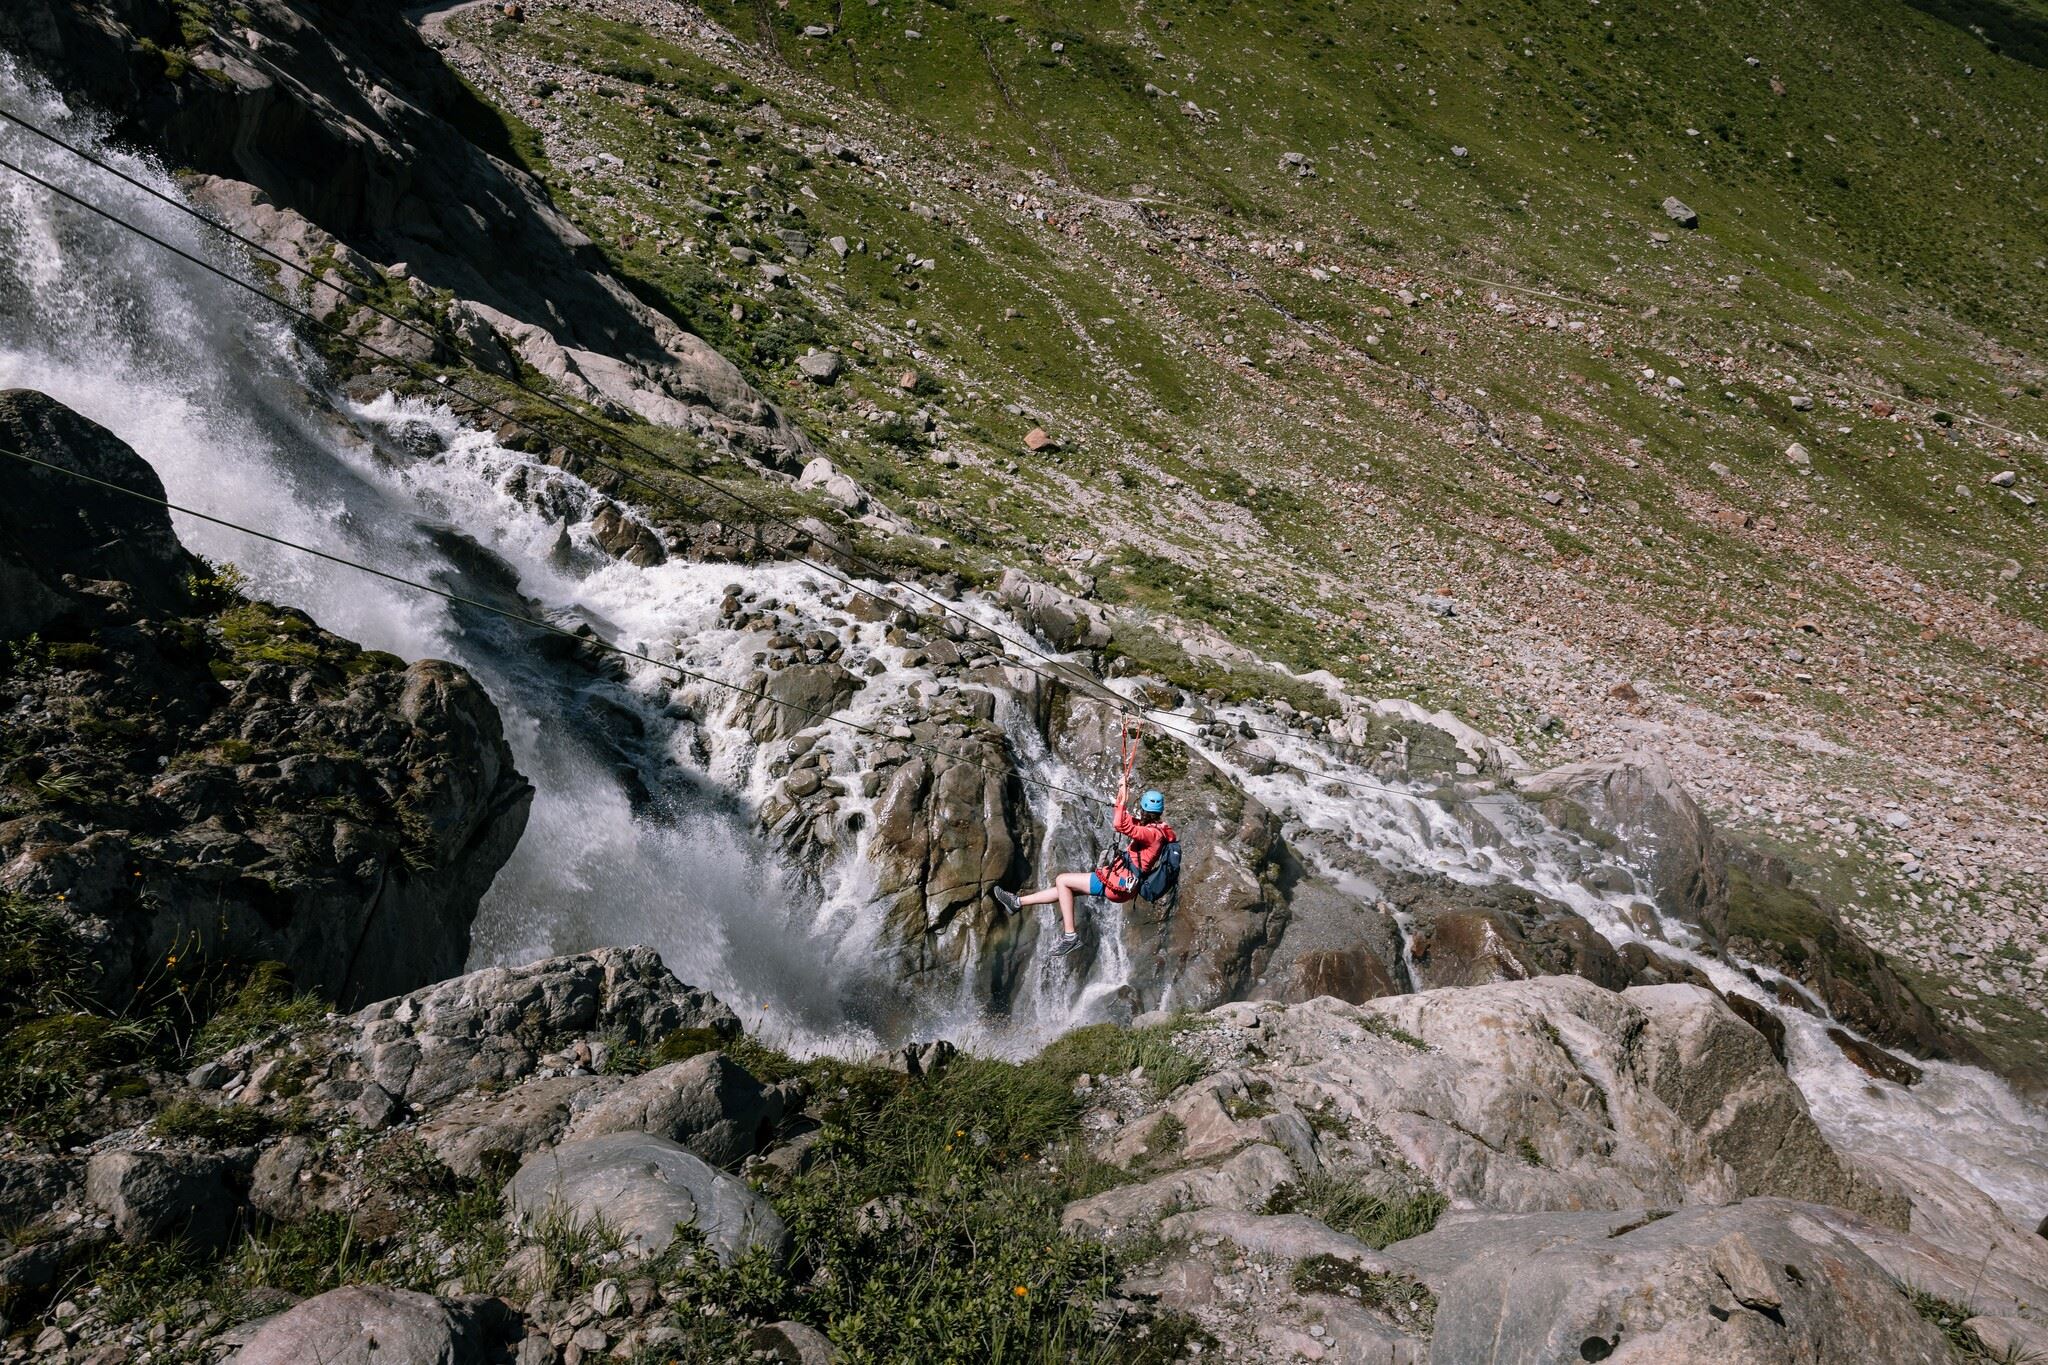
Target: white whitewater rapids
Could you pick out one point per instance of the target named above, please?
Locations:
(643, 827)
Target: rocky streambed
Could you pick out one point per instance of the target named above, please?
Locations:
(585, 1159)
(1402, 1112)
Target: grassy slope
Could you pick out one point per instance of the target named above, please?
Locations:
(1876, 228)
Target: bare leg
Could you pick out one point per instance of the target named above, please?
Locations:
(1063, 889)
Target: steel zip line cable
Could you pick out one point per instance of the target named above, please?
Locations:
(550, 400)
(1066, 671)
(1070, 674)
(538, 624)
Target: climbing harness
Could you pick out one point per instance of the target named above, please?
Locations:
(1123, 878)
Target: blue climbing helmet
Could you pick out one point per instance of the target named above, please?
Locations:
(1153, 803)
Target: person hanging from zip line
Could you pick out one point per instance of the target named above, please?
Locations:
(1148, 864)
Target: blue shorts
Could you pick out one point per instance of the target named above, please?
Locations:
(1094, 883)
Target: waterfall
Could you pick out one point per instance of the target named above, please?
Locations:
(642, 829)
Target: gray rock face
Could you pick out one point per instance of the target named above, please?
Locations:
(708, 1103)
(820, 367)
(1718, 1075)
(793, 1343)
(372, 1325)
(797, 697)
(946, 833)
(495, 1129)
(1757, 1283)
(166, 1196)
(1242, 1184)
(493, 1025)
(827, 478)
(353, 128)
(644, 1187)
(1958, 1245)
(341, 813)
(1065, 620)
(53, 525)
(1635, 799)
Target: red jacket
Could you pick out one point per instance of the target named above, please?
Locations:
(1147, 838)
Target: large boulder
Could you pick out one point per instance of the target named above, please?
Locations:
(946, 832)
(56, 526)
(373, 1325)
(1720, 1076)
(796, 698)
(1521, 1097)
(644, 1187)
(1336, 944)
(708, 1103)
(1550, 1094)
(1774, 923)
(495, 1130)
(494, 1025)
(1066, 621)
(166, 1196)
(1462, 935)
(1763, 1282)
(1244, 1182)
(1635, 800)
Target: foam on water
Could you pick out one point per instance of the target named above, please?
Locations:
(643, 827)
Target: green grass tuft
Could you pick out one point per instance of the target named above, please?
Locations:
(1349, 1206)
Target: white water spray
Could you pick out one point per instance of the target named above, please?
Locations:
(642, 831)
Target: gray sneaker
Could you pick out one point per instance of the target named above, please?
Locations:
(1067, 943)
(1006, 899)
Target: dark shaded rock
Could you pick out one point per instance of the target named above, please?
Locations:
(30, 1186)
(55, 527)
(1874, 1059)
(1213, 941)
(947, 831)
(331, 809)
(1335, 943)
(166, 1196)
(1646, 967)
(797, 697)
(624, 537)
(1463, 935)
(1775, 924)
(1349, 974)
(360, 131)
(1762, 1020)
